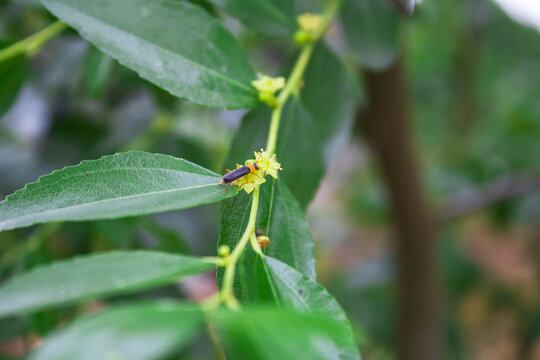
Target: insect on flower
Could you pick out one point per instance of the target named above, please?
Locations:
(236, 174)
(252, 173)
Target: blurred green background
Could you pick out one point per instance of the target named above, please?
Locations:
(474, 77)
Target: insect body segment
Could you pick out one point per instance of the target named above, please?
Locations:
(238, 173)
(252, 173)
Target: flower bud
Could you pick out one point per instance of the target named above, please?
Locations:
(302, 37)
(224, 250)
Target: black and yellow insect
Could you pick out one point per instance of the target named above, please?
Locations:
(236, 174)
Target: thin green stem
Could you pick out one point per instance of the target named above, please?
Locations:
(227, 295)
(255, 244)
(292, 83)
(273, 130)
(294, 80)
(32, 43)
(296, 75)
(215, 260)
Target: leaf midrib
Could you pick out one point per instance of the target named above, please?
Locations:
(95, 294)
(83, 173)
(306, 306)
(224, 77)
(92, 203)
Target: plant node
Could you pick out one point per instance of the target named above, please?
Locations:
(224, 251)
(267, 87)
(310, 28)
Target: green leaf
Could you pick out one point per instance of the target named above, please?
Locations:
(298, 147)
(372, 28)
(174, 44)
(260, 333)
(140, 331)
(317, 127)
(289, 288)
(330, 94)
(93, 277)
(281, 218)
(124, 184)
(267, 17)
(267, 280)
(96, 70)
(169, 240)
(13, 73)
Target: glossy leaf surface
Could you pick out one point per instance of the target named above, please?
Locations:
(281, 219)
(174, 44)
(260, 333)
(331, 96)
(94, 277)
(289, 288)
(268, 17)
(137, 332)
(270, 281)
(124, 184)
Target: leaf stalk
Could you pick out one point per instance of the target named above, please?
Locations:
(226, 295)
(293, 83)
(31, 44)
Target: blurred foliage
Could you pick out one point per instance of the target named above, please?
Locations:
(475, 93)
(475, 101)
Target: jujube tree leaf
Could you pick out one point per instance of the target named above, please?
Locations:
(124, 184)
(270, 281)
(174, 44)
(94, 277)
(268, 17)
(266, 333)
(330, 95)
(141, 331)
(282, 220)
(291, 289)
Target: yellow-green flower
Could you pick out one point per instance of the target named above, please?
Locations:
(268, 84)
(267, 164)
(250, 181)
(267, 87)
(310, 25)
(310, 22)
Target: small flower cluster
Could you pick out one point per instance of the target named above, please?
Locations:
(309, 25)
(267, 87)
(266, 166)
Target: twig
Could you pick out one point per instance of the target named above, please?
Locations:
(32, 43)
